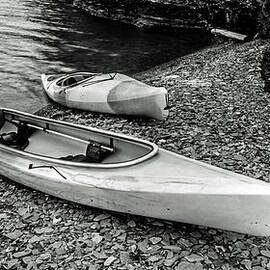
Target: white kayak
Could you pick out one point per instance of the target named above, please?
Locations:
(107, 93)
(120, 173)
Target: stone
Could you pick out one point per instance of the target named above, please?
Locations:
(35, 239)
(195, 234)
(266, 253)
(258, 268)
(12, 263)
(265, 70)
(97, 238)
(101, 217)
(170, 262)
(14, 235)
(255, 251)
(173, 248)
(194, 258)
(43, 230)
(109, 261)
(155, 240)
(212, 255)
(3, 216)
(132, 224)
(124, 257)
(247, 263)
(20, 254)
(189, 266)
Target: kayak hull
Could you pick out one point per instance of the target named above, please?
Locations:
(165, 186)
(120, 95)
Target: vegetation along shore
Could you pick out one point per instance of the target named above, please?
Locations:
(220, 114)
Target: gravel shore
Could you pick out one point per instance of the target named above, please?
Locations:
(220, 115)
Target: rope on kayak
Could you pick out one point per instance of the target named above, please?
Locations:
(99, 81)
(31, 166)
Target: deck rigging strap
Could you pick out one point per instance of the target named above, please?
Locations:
(31, 166)
(111, 77)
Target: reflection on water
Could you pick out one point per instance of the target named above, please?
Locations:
(48, 36)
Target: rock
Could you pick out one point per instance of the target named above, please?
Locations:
(189, 266)
(265, 70)
(56, 220)
(109, 261)
(212, 255)
(14, 235)
(20, 254)
(101, 217)
(195, 234)
(143, 245)
(124, 258)
(132, 224)
(35, 239)
(155, 240)
(247, 263)
(43, 230)
(3, 216)
(28, 259)
(171, 262)
(255, 251)
(194, 258)
(154, 258)
(258, 268)
(266, 253)
(173, 248)
(43, 257)
(12, 263)
(97, 238)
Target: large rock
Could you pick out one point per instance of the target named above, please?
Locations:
(265, 19)
(265, 71)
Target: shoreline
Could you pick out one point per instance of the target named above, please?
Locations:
(220, 115)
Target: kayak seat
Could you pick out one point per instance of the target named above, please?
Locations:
(18, 140)
(95, 153)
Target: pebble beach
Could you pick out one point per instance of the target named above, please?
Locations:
(219, 114)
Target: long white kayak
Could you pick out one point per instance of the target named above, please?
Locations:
(113, 93)
(120, 173)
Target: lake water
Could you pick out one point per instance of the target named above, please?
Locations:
(48, 36)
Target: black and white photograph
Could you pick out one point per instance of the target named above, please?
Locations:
(134, 134)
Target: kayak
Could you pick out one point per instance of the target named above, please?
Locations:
(125, 174)
(107, 93)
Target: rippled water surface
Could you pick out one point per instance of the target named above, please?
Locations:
(48, 36)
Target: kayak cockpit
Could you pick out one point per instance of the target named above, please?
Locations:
(66, 142)
(75, 78)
